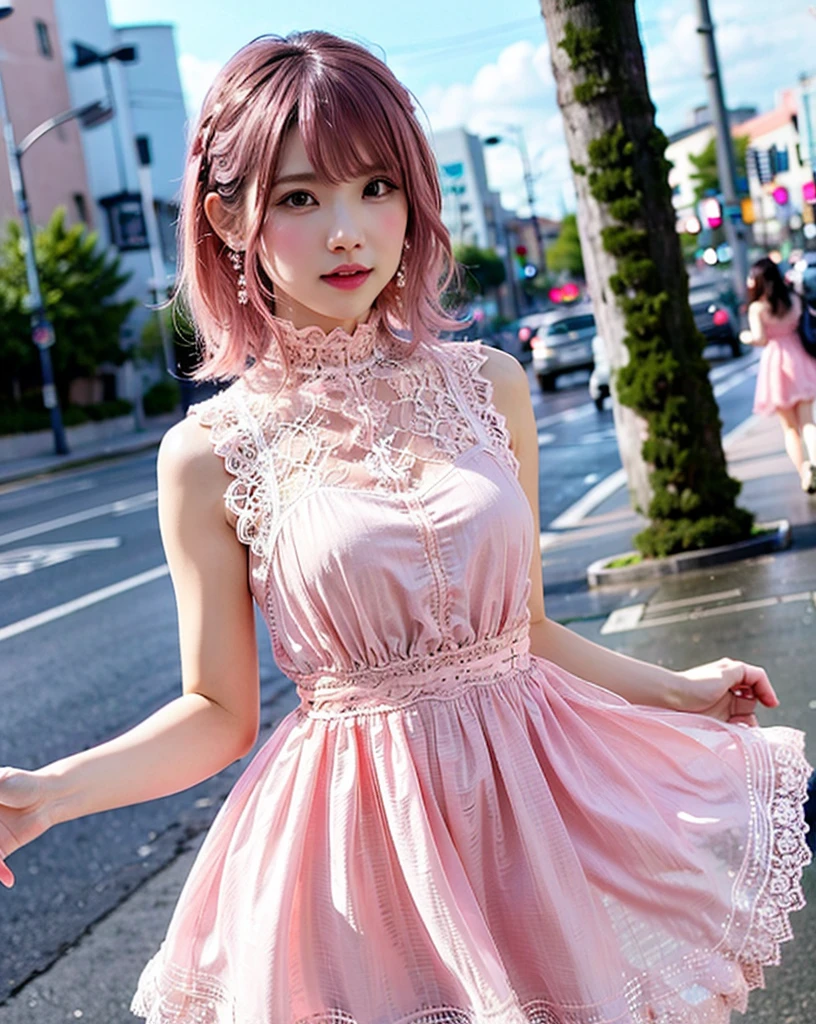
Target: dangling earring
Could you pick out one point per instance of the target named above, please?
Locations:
(237, 260)
(400, 279)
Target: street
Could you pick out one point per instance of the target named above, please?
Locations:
(89, 647)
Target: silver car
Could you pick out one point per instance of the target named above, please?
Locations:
(562, 342)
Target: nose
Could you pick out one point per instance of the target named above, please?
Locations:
(346, 231)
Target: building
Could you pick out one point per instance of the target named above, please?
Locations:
(36, 90)
(471, 211)
(147, 97)
(780, 177)
(689, 142)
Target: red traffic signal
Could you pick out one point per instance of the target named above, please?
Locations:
(521, 250)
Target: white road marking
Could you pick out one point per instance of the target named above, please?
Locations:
(581, 508)
(116, 508)
(578, 511)
(732, 382)
(591, 478)
(26, 560)
(623, 619)
(684, 602)
(544, 438)
(579, 412)
(618, 621)
(546, 540)
(61, 610)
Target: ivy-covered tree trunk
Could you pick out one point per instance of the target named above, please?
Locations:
(666, 417)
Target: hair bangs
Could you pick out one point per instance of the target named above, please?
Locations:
(346, 132)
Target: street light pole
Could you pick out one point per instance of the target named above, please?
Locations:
(41, 329)
(735, 227)
(517, 133)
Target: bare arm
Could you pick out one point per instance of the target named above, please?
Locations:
(708, 689)
(215, 721)
(755, 335)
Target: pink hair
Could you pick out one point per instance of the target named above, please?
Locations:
(350, 110)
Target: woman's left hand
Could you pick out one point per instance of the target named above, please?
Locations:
(727, 690)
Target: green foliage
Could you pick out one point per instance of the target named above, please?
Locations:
(565, 252)
(707, 176)
(482, 271)
(162, 397)
(665, 380)
(79, 283)
(23, 419)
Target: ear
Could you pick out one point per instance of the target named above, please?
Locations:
(223, 221)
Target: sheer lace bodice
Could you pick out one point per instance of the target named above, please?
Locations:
(347, 488)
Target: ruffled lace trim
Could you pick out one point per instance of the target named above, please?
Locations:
(477, 391)
(704, 987)
(310, 348)
(250, 496)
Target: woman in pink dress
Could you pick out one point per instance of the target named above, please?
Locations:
(786, 383)
(475, 815)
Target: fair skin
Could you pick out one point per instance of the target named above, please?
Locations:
(797, 422)
(215, 720)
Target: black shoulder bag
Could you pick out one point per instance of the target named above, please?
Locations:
(807, 328)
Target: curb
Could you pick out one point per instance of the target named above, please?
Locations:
(600, 576)
(59, 463)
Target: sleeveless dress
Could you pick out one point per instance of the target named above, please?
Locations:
(449, 830)
(787, 374)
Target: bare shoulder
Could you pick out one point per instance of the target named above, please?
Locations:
(504, 372)
(188, 465)
(511, 391)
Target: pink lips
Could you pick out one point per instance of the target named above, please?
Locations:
(347, 276)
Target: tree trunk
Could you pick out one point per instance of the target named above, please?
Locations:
(666, 417)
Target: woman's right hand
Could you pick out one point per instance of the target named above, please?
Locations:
(23, 814)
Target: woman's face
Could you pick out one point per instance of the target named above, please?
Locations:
(329, 250)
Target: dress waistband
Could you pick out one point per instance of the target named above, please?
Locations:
(437, 676)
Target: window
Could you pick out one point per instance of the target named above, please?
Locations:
(81, 207)
(43, 39)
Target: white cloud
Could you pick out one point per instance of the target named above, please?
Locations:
(516, 89)
(196, 77)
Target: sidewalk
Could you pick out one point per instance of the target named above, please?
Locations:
(95, 451)
(761, 610)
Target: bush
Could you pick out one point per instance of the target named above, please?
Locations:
(108, 410)
(163, 397)
(22, 419)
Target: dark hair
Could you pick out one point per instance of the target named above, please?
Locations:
(769, 285)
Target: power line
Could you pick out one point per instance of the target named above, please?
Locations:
(465, 37)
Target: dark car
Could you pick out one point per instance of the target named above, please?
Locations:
(714, 316)
(515, 339)
(562, 343)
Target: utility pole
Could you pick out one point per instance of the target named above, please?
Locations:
(735, 228)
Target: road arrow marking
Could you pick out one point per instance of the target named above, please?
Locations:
(27, 560)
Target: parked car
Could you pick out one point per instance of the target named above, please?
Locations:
(561, 343)
(714, 316)
(599, 379)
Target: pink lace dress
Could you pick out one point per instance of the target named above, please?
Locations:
(787, 374)
(448, 830)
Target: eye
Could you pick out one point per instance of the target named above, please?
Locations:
(297, 200)
(379, 187)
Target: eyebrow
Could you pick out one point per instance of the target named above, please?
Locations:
(311, 178)
(287, 179)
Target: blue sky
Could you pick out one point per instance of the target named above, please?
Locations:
(484, 64)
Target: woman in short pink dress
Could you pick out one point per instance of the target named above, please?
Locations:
(475, 815)
(786, 384)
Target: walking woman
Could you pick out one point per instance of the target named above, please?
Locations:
(475, 816)
(786, 383)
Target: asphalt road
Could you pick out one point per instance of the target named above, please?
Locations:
(72, 677)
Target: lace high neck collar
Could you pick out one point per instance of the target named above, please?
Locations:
(309, 348)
